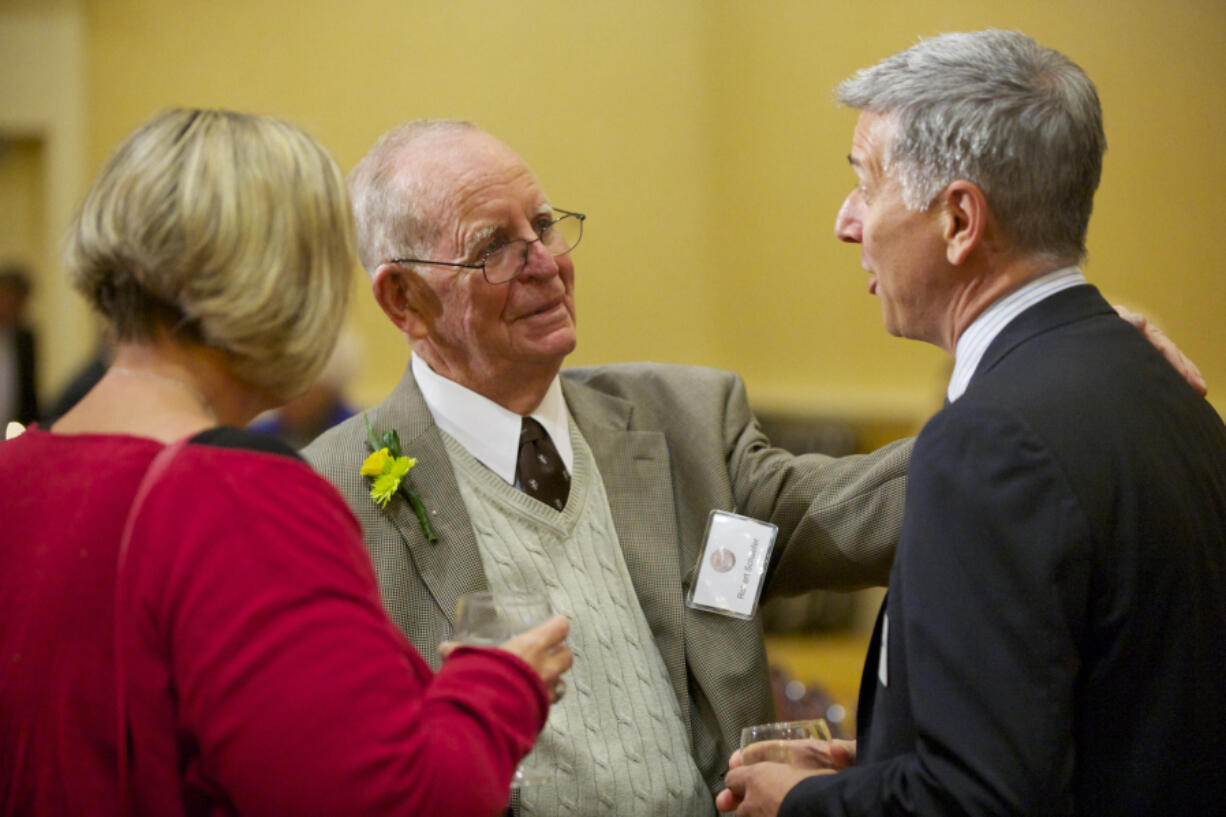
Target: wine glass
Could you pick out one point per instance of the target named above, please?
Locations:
(487, 619)
(785, 730)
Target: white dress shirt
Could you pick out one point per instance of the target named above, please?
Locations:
(980, 334)
(487, 430)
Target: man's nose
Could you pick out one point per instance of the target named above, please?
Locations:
(847, 222)
(538, 260)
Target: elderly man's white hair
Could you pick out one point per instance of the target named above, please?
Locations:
(388, 202)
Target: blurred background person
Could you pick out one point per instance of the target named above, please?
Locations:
(323, 404)
(18, 349)
(188, 621)
(83, 378)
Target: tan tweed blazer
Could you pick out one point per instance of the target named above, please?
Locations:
(671, 444)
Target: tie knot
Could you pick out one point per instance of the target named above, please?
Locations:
(531, 431)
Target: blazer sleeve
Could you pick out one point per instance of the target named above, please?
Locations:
(838, 517)
(298, 691)
(985, 614)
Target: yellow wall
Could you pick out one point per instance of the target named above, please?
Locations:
(21, 202)
(604, 100)
(1160, 68)
(41, 104)
(701, 139)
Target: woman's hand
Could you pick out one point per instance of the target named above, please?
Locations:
(542, 649)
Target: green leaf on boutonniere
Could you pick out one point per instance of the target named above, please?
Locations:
(388, 469)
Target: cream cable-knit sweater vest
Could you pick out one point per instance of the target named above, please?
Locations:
(616, 743)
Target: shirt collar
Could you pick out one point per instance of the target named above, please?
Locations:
(487, 430)
(980, 334)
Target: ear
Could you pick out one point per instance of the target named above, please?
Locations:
(964, 215)
(405, 298)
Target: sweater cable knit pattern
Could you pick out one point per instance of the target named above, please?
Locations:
(616, 743)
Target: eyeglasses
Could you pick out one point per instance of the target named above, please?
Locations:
(503, 261)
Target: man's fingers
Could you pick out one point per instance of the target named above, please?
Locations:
(726, 801)
(762, 750)
(734, 790)
(843, 753)
(1135, 318)
(1182, 363)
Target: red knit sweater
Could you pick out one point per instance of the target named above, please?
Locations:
(262, 675)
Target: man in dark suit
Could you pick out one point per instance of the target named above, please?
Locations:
(18, 350)
(1052, 638)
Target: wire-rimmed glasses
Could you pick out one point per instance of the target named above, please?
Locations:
(558, 232)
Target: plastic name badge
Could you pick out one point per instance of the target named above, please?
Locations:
(732, 567)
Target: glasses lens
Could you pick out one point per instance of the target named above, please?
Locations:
(563, 234)
(505, 263)
(508, 261)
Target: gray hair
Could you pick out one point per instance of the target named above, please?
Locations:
(1020, 121)
(389, 202)
(227, 229)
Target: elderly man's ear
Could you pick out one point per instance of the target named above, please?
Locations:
(406, 299)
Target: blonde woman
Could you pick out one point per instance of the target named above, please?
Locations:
(188, 621)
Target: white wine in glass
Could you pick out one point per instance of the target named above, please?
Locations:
(783, 731)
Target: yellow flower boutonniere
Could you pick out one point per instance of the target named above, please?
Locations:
(388, 470)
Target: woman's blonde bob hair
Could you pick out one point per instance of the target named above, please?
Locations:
(227, 229)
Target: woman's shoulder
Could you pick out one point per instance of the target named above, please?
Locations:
(248, 469)
(245, 440)
(234, 486)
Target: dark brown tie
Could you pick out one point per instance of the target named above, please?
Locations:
(540, 472)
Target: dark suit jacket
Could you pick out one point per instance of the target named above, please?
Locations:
(27, 376)
(671, 444)
(1056, 610)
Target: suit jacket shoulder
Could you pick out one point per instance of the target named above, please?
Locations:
(1065, 518)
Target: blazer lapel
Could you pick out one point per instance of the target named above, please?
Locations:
(635, 469)
(450, 566)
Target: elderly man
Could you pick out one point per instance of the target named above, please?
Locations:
(1051, 642)
(471, 261)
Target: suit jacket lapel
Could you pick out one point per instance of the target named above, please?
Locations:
(636, 471)
(450, 566)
